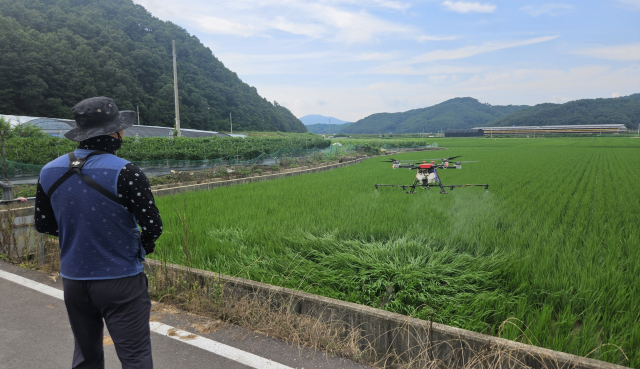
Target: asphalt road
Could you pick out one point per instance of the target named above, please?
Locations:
(35, 333)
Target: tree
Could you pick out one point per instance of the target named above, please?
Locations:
(58, 52)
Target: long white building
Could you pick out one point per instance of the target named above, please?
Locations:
(569, 129)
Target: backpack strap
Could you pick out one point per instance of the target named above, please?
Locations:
(75, 167)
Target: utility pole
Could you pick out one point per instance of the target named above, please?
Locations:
(7, 188)
(175, 88)
(231, 122)
(138, 113)
(329, 126)
(4, 157)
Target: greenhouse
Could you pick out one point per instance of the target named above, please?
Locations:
(58, 127)
(475, 132)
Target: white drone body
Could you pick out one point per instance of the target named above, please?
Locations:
(430, 177)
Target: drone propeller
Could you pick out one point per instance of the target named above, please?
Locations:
(443, 159)
(391, 160)
(449, 159)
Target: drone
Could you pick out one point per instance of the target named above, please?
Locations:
(427, 175)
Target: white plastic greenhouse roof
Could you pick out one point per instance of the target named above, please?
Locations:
(58, 127)
(15, 120)
(155, 131)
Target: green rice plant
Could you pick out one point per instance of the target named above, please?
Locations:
(548, 256)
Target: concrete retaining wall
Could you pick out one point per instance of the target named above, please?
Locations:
(19, 236)
(387, 332)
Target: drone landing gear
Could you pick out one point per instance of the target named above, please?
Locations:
(412, 188)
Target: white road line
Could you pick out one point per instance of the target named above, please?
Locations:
(217, 348)
(59, 294)
(204, 343)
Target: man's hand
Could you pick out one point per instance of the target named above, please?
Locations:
(149, 248)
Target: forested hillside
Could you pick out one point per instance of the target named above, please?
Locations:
(621, 110)
(55, 53)
(458, 113)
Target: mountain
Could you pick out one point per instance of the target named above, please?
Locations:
(466, 112)
(323, 129)
(308, 120)
(457, 113)
(319, 124)
(54, 53)
(620, 110)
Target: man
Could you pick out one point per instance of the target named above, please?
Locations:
(92, 200)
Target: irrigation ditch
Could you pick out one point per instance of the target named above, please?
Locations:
(377, 337)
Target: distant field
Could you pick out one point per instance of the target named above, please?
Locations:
(553, 246)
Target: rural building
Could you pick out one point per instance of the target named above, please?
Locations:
(58, 127)
(554, 130)
(474, 132)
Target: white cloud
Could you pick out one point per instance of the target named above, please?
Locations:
(225, 27)
(343, 21)
(633, 4)
(371, 57)
(468, 7)
(620, 52)
(435, 38)
(390, 4)
(354, 26)
(295, 28)
(548, 9)
(393, 4)
(468, 51)
(270, 58)
(401, 69)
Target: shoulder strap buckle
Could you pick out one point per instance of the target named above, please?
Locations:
(76, 163)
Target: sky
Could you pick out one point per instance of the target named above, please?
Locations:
(352, 58)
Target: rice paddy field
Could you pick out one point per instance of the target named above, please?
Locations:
(550, 255)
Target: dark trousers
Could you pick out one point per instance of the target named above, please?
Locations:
(125, 306)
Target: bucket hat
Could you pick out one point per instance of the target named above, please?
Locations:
(98, 116)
